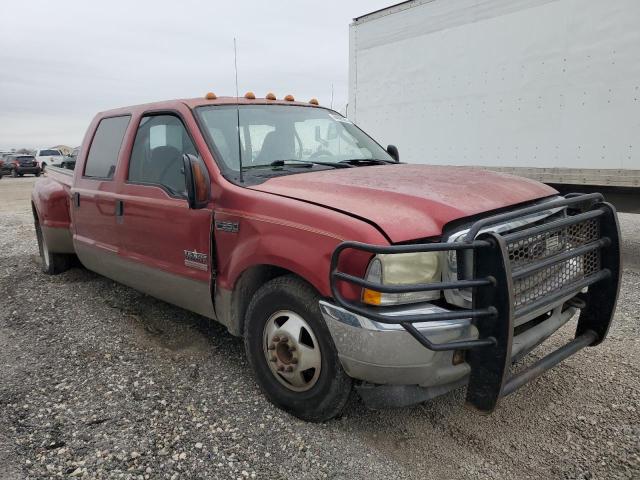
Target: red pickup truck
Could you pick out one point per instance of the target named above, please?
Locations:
(340, 266)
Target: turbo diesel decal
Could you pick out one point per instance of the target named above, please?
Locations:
(193, 259)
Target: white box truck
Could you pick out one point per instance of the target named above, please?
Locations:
(547, 89)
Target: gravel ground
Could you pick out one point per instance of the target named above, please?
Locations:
(100, 381)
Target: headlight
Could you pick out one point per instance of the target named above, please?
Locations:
(402, 269)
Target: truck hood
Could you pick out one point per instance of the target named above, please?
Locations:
(408, 201)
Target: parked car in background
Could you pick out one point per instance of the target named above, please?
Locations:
(69, 161)
(18, 164)
(48, 156)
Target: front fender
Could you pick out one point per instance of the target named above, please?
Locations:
(301, 251)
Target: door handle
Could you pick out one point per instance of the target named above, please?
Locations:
(119, 209)
(76, 199)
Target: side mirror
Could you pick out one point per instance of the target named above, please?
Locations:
(393, 151)
(197, 181)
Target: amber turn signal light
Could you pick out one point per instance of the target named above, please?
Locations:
(250, 96)
(200, 182)
(289, 98)
(270, 96)
(210, 96)
(371, 297)
(314, 101)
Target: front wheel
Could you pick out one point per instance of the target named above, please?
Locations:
(14, 174)
(291, 351)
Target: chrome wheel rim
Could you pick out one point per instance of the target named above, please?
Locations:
(292, 351)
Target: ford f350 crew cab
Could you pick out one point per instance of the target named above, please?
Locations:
(340, 266)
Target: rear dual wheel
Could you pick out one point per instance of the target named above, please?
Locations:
(291, 351)
(52, 263)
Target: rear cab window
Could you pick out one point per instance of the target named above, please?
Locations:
(104, 150)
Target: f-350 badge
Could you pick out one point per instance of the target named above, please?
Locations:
(193, 259)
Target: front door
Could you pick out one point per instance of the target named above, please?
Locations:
(164, 246)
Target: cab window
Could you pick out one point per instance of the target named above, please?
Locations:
(156, 158)
(105, 148)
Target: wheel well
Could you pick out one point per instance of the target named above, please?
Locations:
(245, 288)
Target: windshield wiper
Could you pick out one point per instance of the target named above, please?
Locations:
(366, 161)
(293, 161)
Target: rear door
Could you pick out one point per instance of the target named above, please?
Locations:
(93, 196)
(164, 245)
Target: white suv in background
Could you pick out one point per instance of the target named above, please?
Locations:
(48, 156)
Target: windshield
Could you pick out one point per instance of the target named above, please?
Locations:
(50, 153)
(272, 133)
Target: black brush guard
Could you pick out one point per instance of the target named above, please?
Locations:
(586, 240)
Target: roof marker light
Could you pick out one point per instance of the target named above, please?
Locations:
(289, 98)
(250, 96)
(210, 96)
(270, 96)
(314, 101)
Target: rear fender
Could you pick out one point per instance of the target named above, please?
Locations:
(51, 208)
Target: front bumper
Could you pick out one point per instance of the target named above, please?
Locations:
(386, 354)
(525, 284)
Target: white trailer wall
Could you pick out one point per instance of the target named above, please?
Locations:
(500, 83)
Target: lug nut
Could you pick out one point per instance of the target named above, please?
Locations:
(280, 368)
(273, 359)
(284, 339)
(271, 347)
(289, 369)
(276, 339)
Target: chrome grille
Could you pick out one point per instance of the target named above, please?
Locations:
(454, 265)
(538, 247)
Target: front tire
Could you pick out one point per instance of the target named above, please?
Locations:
(291, 352)
(52, 263)
(14, 174)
